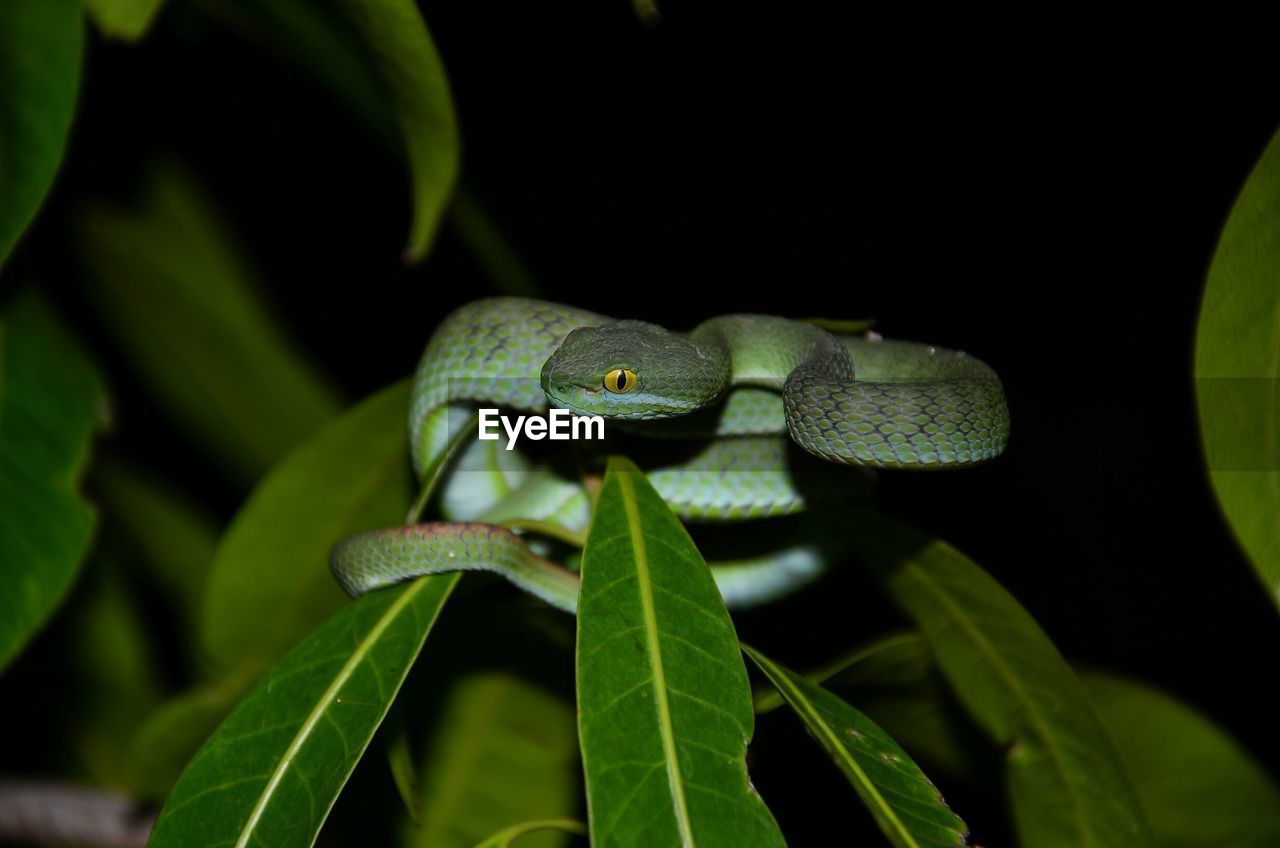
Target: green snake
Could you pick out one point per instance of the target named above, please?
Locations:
(736, 387)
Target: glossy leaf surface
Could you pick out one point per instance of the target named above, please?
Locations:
(664, 706)
(273, 770)
(908, 808)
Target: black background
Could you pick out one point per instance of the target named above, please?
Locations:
(1048, 207)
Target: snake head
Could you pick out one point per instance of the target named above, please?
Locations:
(631, 370)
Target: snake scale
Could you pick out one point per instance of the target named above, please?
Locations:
(739, 385)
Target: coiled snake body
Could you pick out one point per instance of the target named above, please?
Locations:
(740, 383)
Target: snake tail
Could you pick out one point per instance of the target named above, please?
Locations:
(377, 558)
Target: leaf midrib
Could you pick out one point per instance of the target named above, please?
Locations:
(802, 703)
(644, 584)
(1018, 692)
(330, 695)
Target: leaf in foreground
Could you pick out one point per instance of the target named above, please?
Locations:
(1198, 786)
(1237, 367)
(40, 48)
(1066, 783)
(51, 402)
(182, 302)
(906, 805)
(504, 752)
(274, 769)
(664, 705)
(270, 581)
(414, 75)
(894, 682)
(166, 741)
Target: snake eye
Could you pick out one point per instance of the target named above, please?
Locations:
(620, 381)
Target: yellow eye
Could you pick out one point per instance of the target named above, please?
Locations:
(620, 381)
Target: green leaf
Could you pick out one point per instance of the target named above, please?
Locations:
(1066, 782)
(127, 20)
(116, 662)
(321, 45)
(894, 681)
(317, 39)
(907, 648)
(1237, 367)
(273, 770)
(170, 736)
(414, 76)
(1198, 786)
(503, 752)
(270, 581)
(404, 771)
(664, 705)
(41, 42)
(172, 538)
(182, 303)
(505, 837)
(51, 403)
(906, 805)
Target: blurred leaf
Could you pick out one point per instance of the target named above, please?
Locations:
(904, 802)
(273, 770)
(270, 582)
(414, 76)
(404, 771)
(503, 752)
(647, 12)
(664, 705)
(507, 836)
(1237, 367)
(127, 20)
(40, 47)
(117, 668)
(51, 402)
(489, 246)
(171, 735)
(181, 302)
(307, 35)
(173, 539)
(315, 38)
(1066, 783)
(1199, 788)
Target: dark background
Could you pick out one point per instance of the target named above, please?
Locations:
(1050, 210)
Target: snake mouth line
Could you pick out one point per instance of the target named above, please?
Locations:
(574, 408)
